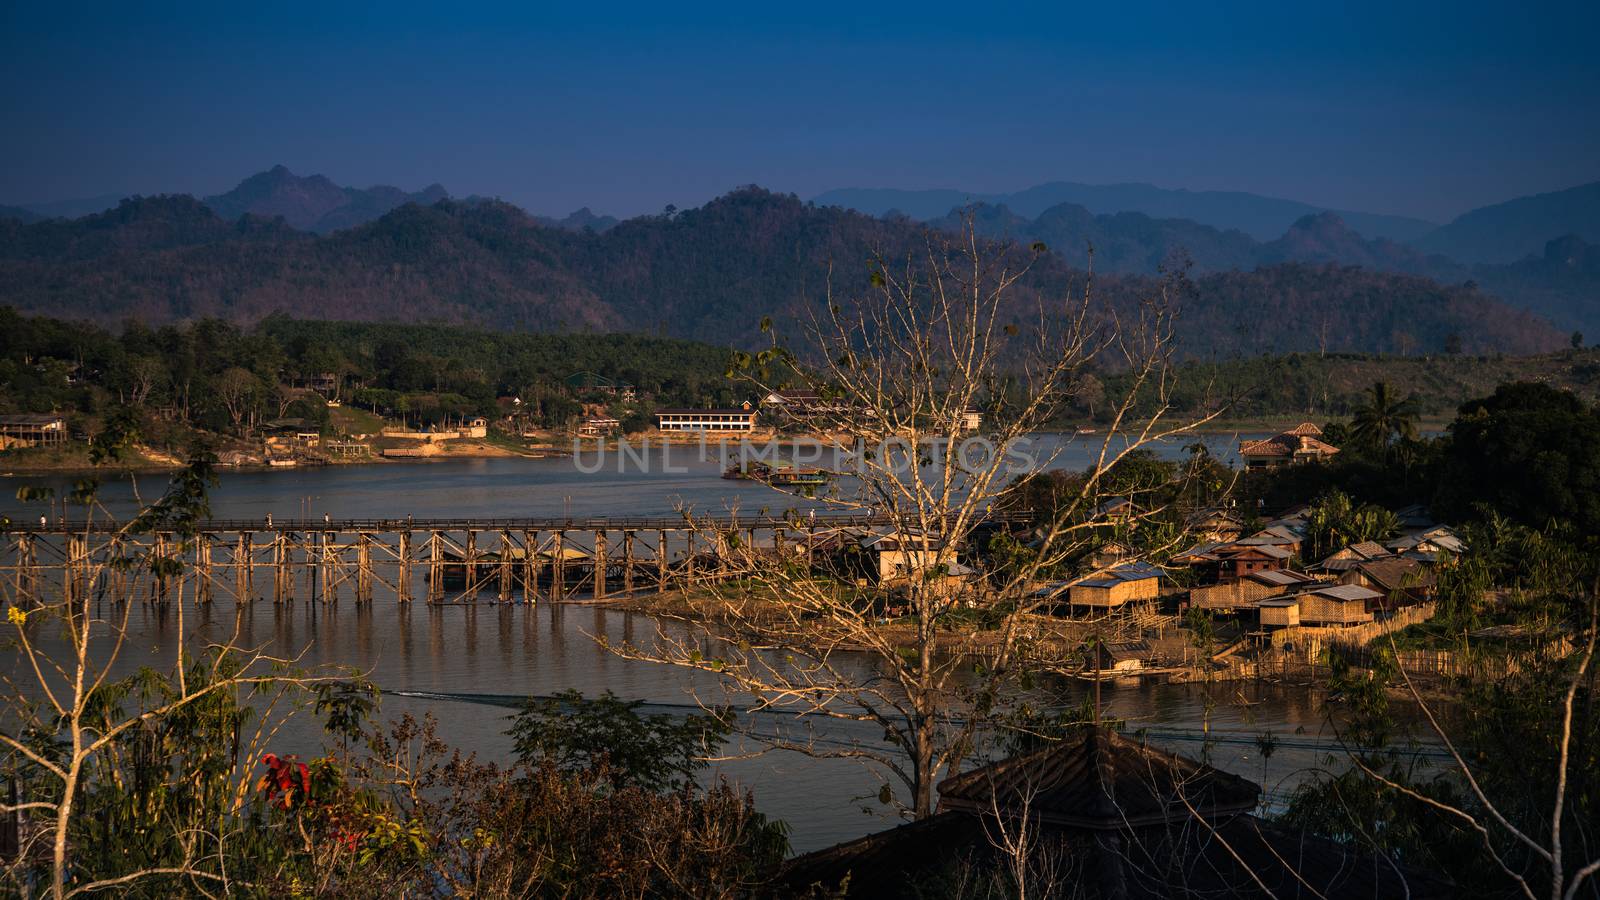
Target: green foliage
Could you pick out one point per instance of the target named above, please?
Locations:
(1383, 418)
(139, 385)
(1334, 521)
(607, 736)
(1528, 451)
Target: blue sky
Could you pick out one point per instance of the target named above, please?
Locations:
(1423, 110)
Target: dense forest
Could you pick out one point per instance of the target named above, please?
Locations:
(429, 373)
(216, 376)
(707, 274)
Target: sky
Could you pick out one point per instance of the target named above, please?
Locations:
(1422, 110)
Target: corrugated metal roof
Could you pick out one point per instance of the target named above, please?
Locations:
(1348, 592)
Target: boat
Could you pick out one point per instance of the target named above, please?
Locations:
(778, 474)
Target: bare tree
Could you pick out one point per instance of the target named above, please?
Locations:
(236, 388)
(1486, 816)
(63, 716)
(949, 330)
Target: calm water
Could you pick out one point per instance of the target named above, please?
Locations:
(474, 651)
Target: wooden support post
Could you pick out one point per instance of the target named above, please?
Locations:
(472, 563)
(77, 564)
(159, 554)
(243, 559)
(363, 567)
(688, 568)
(280, 568)
(558, 575)
(600, 564)
(661, 561)
(402, 579)
(530, 566)
(627, 563)
(506, 566)
(325, 565)
(435, 567)
(27, 567)
(202, 564)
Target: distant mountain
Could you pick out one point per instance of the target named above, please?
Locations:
(1325, 237)
(1562, 283)
(137, 227)
(18, 214)
(1263, 218)
(314, 203)
(579, 220)
(709, 273)
(1507, 232)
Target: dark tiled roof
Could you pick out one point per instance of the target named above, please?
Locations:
(1397, 573)
(1102, 781)
(1147, 849)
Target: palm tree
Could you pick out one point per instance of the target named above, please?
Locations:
(1384, 417)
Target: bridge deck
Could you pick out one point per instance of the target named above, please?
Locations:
(602, 523)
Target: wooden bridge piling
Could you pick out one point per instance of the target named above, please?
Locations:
(516, 559)
(558, 578)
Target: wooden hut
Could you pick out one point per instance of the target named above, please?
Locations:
(1116, 587)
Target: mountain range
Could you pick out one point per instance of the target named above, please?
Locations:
(1262, 218)
(709, 273)
(311, 203)
(1560, 280)
(1501, 233)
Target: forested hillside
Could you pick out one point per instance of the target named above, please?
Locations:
(709, 274)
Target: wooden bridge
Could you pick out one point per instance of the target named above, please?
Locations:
(457, 559)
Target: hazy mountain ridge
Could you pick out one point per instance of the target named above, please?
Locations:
(709, 273)
(1520, 228)
(313, 202)
(1558, 283)
(1263, 218)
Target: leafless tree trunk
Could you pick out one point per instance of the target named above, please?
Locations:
(948, 329)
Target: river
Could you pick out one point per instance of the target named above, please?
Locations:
(458, 654)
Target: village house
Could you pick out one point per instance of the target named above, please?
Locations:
(1215, 562)
(1115, 658)
(971, 419)
(1401, 580)
(894, 556)
(1122, 587)
(1215, 524)
(1117, 511)
(1242, 593)
(742, 418)
(1428, 543)
(1301, 444)
(1336, 605)
(792, 400)
(1279, 612)
(1108, 554)
(32, 430)
(1348, 558)
(599, 426)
